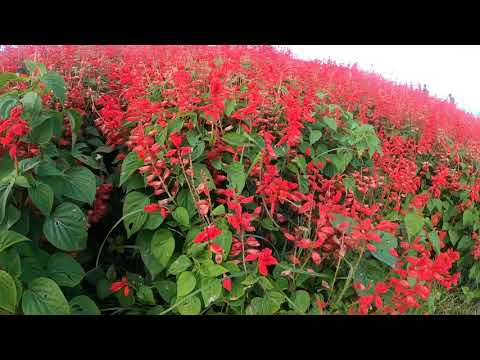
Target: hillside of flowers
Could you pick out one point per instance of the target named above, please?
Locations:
(229, 180)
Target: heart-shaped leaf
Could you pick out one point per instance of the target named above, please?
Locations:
(66, 228)
(44, 297)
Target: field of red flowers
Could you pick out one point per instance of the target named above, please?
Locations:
(190, 180)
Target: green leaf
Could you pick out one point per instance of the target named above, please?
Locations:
(22, 181)
(349, 183)
(145, 295)
(6, 185)
(331, 123)
(129, 165)
(42, 133)
(230, 106)
(53, 81)
(65, 270)
(435, 240)
(83, 305)
(211, 290)
(80, 185)
(166, 289)
(219, 210)
(469, 218)
(210, 269)
(154, 220)
(302, 301)
(369, 271)
(10, 262)
(186, 282)
(9, 238)
(8, 292)
(42, 196)
(7, 102)
(75, 123)
(66, 228)
(236, 176)
(190, 306)
(180, 214)
(32, 103)
(6, 77)
(224, 240)
(315, 135)
(383, 248)
(144, 240)
(12, 215)
(267, 305)
(341, 160)
(163, 246)
(44, 297)
(7, 166)
(134, 201)
(454, 236)
(235, 139)
(198, 150)
(181, 264)
(413, 223)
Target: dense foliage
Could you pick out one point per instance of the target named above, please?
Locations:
(228, 180)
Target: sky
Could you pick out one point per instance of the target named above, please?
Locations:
(445, 69)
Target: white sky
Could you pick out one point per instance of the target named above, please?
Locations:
(444, 69)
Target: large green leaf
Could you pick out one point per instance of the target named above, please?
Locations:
(42, 196)
(9, 238)
(236, 176)
(55, 82)
(144, 240)
(186, 282)
(5, 77)
(134, 201)
(42, 134)
(129, 165)
(8, 292)
(12, 215)
(32, 103)
(331, 123)
(211, 290)
(83, 305)
(7, 102)
(166, 289)
(180, 214)
(66, 228)
(413, 223)
(6, 185)
(302, 301)
(65, 270)
(235, 139)
(80, 185)
(44, 297)
(163, 246)
(190, 306)
(75, 123)
(435, 241)
(10, 262)
(383, 248)
(181, 264)
(269, 304)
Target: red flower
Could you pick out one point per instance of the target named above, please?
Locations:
(176, 139)
(227, 284)
(119, 285)
(210, 233)
(150, 208)
(264, 259)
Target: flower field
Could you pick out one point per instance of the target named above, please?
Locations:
(229, 180)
